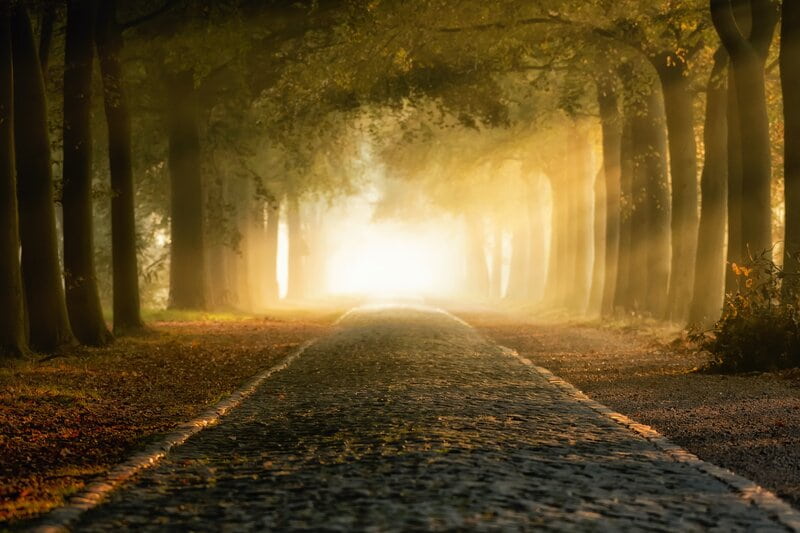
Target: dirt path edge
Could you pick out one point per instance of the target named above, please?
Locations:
(60, 520)
(748, 490)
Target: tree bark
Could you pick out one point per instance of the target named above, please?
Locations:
(46, 35)
(257, 244)
(297, 251)
(748, 56)
(710, 264)
(650, 134)
(187, 252)
(790, 78)
(735, 254)
(127, 314)
(598, 269)
(271, 266)
(83, 299)
(13, 334)
(679, 109)
(581, 221)
(611, 124)
(623, 288)
(640, 234)
(41, 271)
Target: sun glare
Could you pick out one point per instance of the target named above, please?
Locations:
(386, 259)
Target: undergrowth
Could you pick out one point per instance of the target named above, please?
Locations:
(759, 329)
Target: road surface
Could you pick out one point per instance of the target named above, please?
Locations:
(407, 419)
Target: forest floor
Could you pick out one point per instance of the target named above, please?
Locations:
(749, 424)
(64, 420)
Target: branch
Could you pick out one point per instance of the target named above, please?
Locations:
(765, 19)
(46, 37)
(502, 25)
(727, 28)
(168, 4)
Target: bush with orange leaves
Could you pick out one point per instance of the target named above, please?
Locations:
(760, 325)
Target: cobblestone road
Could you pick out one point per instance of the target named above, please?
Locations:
(406, 419)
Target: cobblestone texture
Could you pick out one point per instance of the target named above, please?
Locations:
(405, 419)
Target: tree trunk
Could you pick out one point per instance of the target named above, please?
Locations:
(477, 268)
(215, 198)
(652, 247)
(518, 272)
(623, 289)
(561, 267)
(257, 244)
(297, 250)
(41, 272)
(598, 269)
(497, 262)
(187, 253)
(710, 264)
(581, 221)
(46, 35)
(735, 254)
(748, 55)
(537, 244)
(611, 123)
(679, 109)
(271, 260)
(127, 315)
(13, 335)
(790, 78)
(756, 157)
(83, 299)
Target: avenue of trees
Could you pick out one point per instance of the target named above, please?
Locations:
(629, 153)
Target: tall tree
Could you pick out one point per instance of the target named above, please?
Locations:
(561, 261)
(673, 72)
(41, 271)
(736, 253)
(271, 252)
(790, 78)
(748, 55)
(13, 336)
(497, 261)
(187, 257)
(623, 290)
(83, 298)
(48, 19)
(476, 266)
(519, 264)
(108, 36)
(710, 263)
(600, 249)
(537, 237)
(581, 178)
(650, 139)
(297, 250)
(611, 124)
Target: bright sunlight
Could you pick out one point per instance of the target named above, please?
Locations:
(382, 259)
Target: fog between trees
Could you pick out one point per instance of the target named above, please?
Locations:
(594, 158)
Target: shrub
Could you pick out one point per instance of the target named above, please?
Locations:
(760, 324)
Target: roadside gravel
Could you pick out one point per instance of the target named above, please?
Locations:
(749, 424)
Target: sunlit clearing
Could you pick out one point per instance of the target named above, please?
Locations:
(383, 259)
